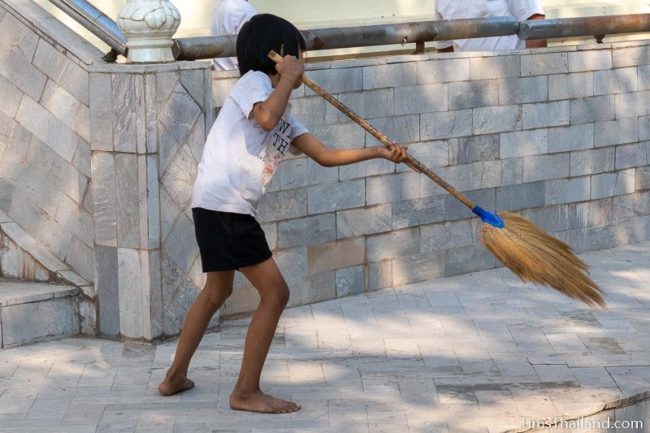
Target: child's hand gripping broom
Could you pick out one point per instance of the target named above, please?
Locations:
(529, 252)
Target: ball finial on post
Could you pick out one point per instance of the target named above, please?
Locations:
(149, 26)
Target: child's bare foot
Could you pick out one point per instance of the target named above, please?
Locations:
(173, 385)
(260, 402)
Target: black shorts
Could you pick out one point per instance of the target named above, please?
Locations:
(229, 241)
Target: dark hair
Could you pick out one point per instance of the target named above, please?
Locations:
(261, 34)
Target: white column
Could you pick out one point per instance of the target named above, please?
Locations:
(149, 26)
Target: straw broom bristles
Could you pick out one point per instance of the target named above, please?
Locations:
(535, 256)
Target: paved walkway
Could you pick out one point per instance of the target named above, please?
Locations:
(476, 353)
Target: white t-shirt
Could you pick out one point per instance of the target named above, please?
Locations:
(227, 19)
(240, 157)
(466, 9)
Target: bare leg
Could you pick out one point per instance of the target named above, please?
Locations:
(274, 294)
(218, 288)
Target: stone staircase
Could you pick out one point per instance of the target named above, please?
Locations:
(35, 304)
(37, 311)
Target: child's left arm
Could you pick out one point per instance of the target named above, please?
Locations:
(325, 156)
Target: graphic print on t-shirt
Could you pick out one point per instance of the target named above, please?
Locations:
(274, 150)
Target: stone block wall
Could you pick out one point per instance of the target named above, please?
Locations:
(560, 136)
(45, 138)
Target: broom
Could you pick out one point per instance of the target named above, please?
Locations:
(529, 252)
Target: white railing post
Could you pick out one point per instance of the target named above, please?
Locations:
(149, 26)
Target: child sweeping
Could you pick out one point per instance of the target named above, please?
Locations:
(253, 132)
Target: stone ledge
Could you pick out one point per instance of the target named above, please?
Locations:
(18, 292)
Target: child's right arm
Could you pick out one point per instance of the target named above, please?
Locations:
(268, 113)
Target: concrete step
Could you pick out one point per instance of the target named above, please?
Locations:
(33, 312)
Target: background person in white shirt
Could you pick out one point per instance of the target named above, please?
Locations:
(465, 9)
(227, 18)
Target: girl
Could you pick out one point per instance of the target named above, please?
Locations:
(245, 146)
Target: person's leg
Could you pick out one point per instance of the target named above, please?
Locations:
(274, 294)
(218, 288)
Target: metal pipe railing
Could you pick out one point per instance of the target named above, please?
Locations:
(361, 36)
(598, 26)
(94, 21)
(364, 36)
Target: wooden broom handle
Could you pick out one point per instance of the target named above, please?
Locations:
(411, 162)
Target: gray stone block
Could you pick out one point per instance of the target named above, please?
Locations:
(124, 112)
(436, 126)
(524, 143)
(592, 161)
(106, 282)
(130, 293)
(617, 132)
(20, 36)
(643, 77)
(524, 90)
(493, 67)
(350, 281)
(569, 86)
(611, 184)
(394, 244)
(101, 112)
(631, 155)
(67, 108)
(392, 188)
(591, 60)
(512, 171)
(523, 196)
(340, 135)
(610, 81)
(179, 177)
(455, 210)
(448, 235)
(472, 94)
(545, 167)
(488, 120)
(305, 231)
(630, 56)
(418, 267)
(81, 258)
(336, 255)
(21, 73)
(6, 194)
(104, 199)
(177, 117)
(276, 206)
(128, 200)
(421, 99)
(477, 175)
(561, 191)
(367, 220)
(380, 275)
(472, 258)
(370, 104)
(180, 245)
(475, 148)
(594, 109)
(430, 153)
(336, 196)
(632, 104)
(555, 218)
(439, 70)
(301, 172)
(11, 97)
(35, 321)
(642, 178)
(371, 167)
(337, 80)
(544, 64)
(393, 75)
(48, 128)
(62, 69)
(401, 129)
(412, 213)
(546, 114)
(323, 288)
(575, 137)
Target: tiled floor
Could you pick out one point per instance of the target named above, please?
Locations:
(476, 353)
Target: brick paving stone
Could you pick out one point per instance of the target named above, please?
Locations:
(436, 356)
